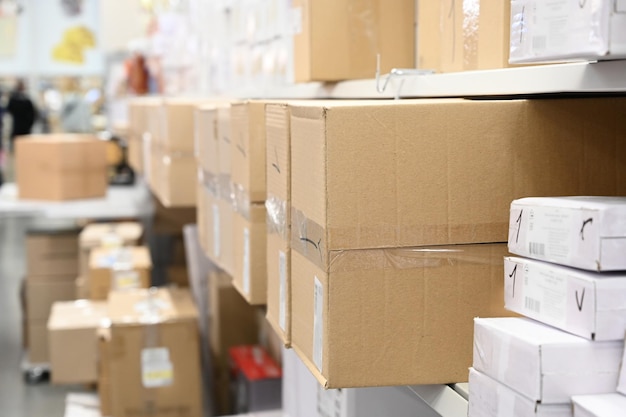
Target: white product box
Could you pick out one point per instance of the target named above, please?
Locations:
(582, 232)
(604, 405)
(489, 398)
(299, 387)
(560, 30)
(542, 363)
(588, 304)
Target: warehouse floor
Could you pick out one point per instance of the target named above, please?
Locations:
(16, 397)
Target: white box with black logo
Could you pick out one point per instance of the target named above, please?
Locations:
(582, 232)
(587, 304)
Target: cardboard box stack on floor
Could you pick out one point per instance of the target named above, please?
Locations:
(398, 210)
(118, 269)
(571, 286)
(51, 269)
(60, 167)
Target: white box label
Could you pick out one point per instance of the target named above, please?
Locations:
(216, 231)
(156, 368)
(282, 274)
(545, 294)
(549, 233)
(125, 279)
(318, 324)
(246, 260)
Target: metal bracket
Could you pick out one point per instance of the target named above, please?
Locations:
(401, 73)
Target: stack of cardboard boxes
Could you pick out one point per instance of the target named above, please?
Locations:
(569, 285)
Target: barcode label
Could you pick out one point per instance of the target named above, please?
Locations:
(156, 368)
(539, 43)
(532, 304)
(536, 248)
(125, 279)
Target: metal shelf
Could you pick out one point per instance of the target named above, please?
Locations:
(576, 78)
(444, 399)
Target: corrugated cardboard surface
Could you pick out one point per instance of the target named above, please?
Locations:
(391, 174)
(99, 278)
(51, 256)
(179, 124)
(104, 371)
(60, 167)
(361, 30)
(135, 155)
(249, 255)
(176, 330)
(385, 316)
(81, 288)
(93, 234)
(206, 138)
(72, 333)
(248, 149)
(41, 296)
(179, 175)
(224, 139)
(37, 341)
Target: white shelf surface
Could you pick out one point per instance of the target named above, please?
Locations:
(443, 399)
(580, 77)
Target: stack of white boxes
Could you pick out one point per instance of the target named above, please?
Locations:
(564, 358)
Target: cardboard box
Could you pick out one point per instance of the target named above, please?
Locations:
(232, 321)
(81, 288)
(154, 368)
(138, 115)
(248, 151)
(209, 227)
(567, 31)
(603, 405)
(587, 304)
(174, 178)
(249, 254)
(489, 398)
(37, 342)
(177, 274)
(362, 30)
(118, 269)
(72, 335)
(206, 138)
(225, 219)
(60, 167)
(51, 255)
(108, 235)
(170, 220)
(104, 370)
(257, 379)
(134, 152)
(41, 296)
(178, 125)
(542, 363)
(278, 206)
(583, 232)
(443, 171)
(397, 307)
(225, 189)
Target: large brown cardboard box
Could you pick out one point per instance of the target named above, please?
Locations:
(463, 36)
(118, 269)
(72, 340)
(248, 151)
(108, 235)
(360, 31)
(225, 189)
(278, 205)
(138, 114)
(154, 359)
(37, 341)
(41, 295)
(393, 316)
(206, 138)
(52, 253)
(177, 180)
(369, 174)
(60, 167)
(249, 254)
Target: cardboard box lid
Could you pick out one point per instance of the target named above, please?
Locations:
(611, 219)
(93, 234)
(152, 305)
(78, 314)
(136, 256)
(544, 363)
(585, 303)
(600, 405)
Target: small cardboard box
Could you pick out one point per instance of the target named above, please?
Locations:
(248, 151)
(177, 125)
(174, 178)
(154, 360)
(542, 363)
(583, 232)
(41, 295)
(602, 405)
(72, 335)
(278, 207)
(108, 235)
(257, 379)
(118, 269)
(206, 138)
(52, 255)
(369, 174)
(489, 398)
(60, 167)
(543, 32)
(587, 304)
(361, 31)
(249, 254)
(397, 307)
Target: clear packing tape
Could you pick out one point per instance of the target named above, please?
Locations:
(277, 221)
(309, 239)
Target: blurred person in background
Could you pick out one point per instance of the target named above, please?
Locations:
(22, 111)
